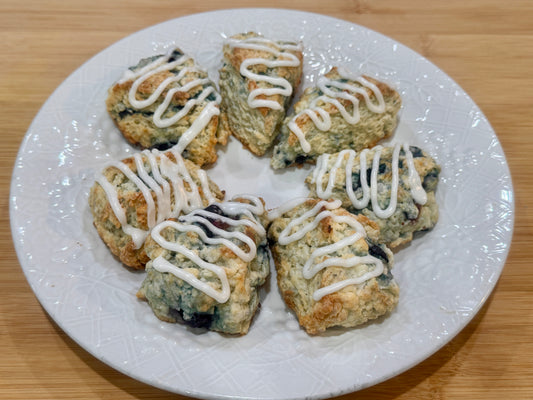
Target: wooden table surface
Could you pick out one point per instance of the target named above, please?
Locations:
(486, 46)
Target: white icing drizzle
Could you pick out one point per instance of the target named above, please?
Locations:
(297, 228)
(164, 181)
(231, 207)
(370, 191)
(221, 236)
(162, 64)
(282, 209)
(283, 59)
(347, 91)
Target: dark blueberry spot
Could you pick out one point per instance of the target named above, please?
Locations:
(175, 55)
(186, 153)
(382, 168)
(195, 95)
(356, 181)
(220, 224)
(378, 252)
(198, 320)
(262, 253)
(211, 97)
(127, 112)
(262, 250)
(164, 145)
(400, 164)
(417, 152)
(301, 159)
(206, 230)
(411, 214)
(368, 176)
(176, 108)
(213, 208)
(385, 278)
(431, 180)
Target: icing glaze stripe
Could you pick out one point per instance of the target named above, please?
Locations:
(369, 189)
(167, 63)
(284, 58)
(298, 227)
(219, 236)
(154, 180)
(345, 91)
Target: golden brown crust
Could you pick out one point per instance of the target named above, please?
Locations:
(370, 130)
(133, 202)
(409, 216)
(139, 128)
(174, 300)
(351, 305)
(255, 128)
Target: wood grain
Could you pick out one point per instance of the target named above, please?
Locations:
(484, 45)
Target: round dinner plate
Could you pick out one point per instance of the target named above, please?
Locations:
(445, 275)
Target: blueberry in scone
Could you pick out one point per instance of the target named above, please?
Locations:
(167, 100)
(257, 81)
(342, 111)
(393, 186)
(131, 196)
(206, 267)
(331, 269)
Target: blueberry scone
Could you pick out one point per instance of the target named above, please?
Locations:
(331, 271)
(206, 267)
(166, 101)
(131, 196)
(393, 186)
(257, 81)
(341, 112)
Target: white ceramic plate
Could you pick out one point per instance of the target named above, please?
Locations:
(445, 275)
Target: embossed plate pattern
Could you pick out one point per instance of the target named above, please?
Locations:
(445, 275)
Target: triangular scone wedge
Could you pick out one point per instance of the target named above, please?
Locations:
(342, 112)
(207, 267)
(131, 196)
(330, 269)
(348, 177)
(257, 82)
(168, 100)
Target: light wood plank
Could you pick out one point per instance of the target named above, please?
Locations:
(484, 45)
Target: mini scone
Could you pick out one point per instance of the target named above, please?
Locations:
(206, 267)
(393, 186)
(131, 196)
(341, 112)
(330, 269)
(257, 82)
(166, 101)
